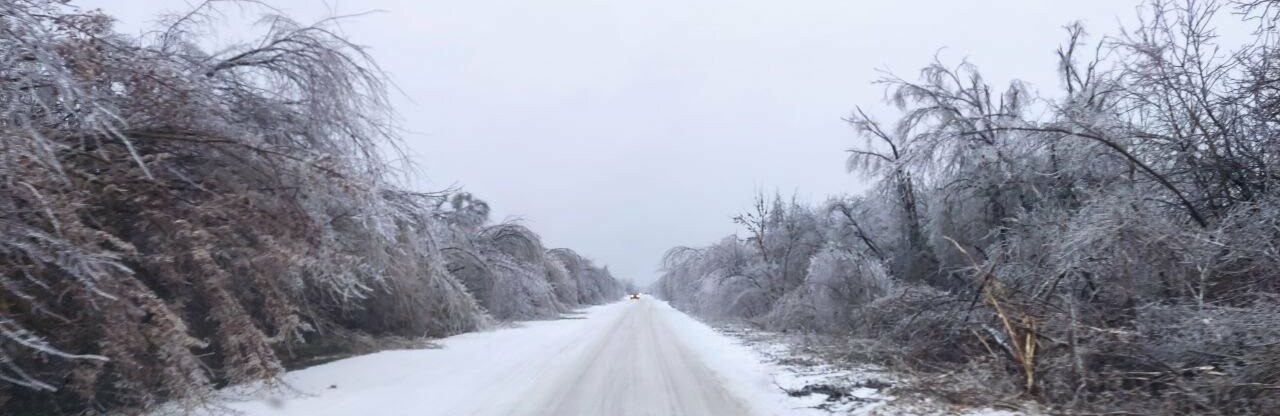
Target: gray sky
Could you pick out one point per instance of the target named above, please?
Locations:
(623, 128)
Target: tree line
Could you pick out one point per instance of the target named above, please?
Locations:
(175, 218)
(1112, 248)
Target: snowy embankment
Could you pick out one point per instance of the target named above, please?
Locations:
(821, 374)
(637, 357)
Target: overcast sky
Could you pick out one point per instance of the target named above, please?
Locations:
(623, 128)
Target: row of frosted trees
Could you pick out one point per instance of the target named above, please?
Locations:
(173, 219)
(1112, 249)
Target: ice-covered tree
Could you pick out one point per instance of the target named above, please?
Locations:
(177, 214)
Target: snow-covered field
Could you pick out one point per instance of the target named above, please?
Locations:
(634, 357)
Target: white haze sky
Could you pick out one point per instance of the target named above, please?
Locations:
(623, 128)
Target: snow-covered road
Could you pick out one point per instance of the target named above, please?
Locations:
(634, 357)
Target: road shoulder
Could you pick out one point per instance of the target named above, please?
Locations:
(827, 375)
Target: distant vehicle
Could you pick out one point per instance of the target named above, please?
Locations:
(635, 296)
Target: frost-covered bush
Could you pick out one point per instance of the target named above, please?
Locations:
(918, 326)
(725, 281)
(416, 284)
(837, 285)
(504, 268)
(741, 279)
(1197, 360)
(563, 284)
(509, 272)
(593, 284)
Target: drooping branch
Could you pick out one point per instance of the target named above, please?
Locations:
(1186, 204)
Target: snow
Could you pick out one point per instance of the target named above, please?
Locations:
(629, 357)
(742, 369)
(805, 365)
